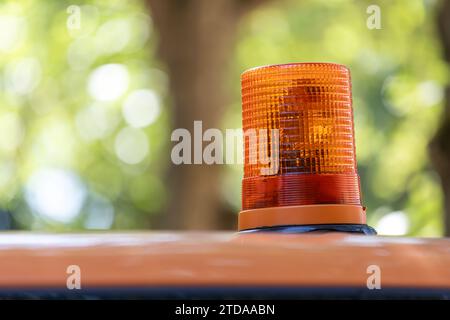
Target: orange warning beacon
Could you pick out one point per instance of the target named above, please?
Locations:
(304, 113)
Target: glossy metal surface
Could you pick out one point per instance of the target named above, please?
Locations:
(222, 259)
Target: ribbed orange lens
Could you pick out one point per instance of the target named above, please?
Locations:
(311, 106)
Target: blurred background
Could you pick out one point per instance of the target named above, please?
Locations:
(90, 92)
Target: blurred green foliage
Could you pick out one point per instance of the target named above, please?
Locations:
(67, 142)
(64, 128)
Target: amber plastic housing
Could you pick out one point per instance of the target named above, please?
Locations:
(310, 104)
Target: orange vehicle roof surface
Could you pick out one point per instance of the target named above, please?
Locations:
(221, 259)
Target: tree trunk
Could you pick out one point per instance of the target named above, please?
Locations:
(440, 145)
(196, 39)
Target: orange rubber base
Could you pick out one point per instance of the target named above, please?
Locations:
(302, 215)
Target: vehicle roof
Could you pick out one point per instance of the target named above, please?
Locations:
(222, 259)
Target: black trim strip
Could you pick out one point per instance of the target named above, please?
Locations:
(225, 293)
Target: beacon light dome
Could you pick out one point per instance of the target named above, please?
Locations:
(316, 180)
